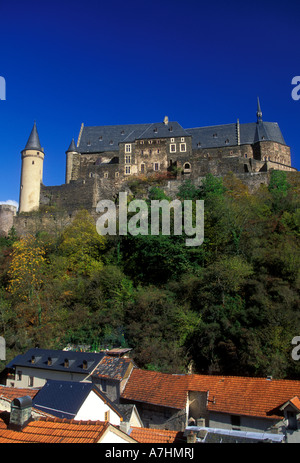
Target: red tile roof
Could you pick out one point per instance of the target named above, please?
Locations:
(10, 393)
(156, 436)
(157, 388)
(258, 397)
(55, 430)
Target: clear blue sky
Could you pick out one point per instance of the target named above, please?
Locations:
(112, 62)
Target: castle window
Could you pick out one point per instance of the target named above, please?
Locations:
(127, 170)
(215, 135)
(142, 151)
(142, 142)
(150, 151)
(117, 174)
(183, 147)
(157, 151)
(150, 141)
(127, 159)
(187, 165)
(128, 148)
(156, 166)
(172, 148)
(172, 140)
(158, 142)
(246, 155)
(142, 168)
(182, 139)
(32, 162)
(105, 174)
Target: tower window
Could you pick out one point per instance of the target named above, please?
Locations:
(32, 162)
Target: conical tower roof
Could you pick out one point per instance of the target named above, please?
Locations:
(33, 142)
(72, 147)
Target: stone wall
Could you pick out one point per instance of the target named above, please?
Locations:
(7, 214)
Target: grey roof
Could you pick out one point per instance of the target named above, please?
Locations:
(226, 135)
(33, 142)
(99, 139)
(112, 367)
(64, 398)
(41, 356)
(72, 147)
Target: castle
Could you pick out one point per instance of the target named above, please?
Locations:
(105, 158)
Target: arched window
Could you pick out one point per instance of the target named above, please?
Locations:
(187, 165)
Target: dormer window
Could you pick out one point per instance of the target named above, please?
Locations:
(32, 359)
(226, 141)
(49, 361)
(111, 142)
(155, 130)
(88, 143)
(84, 365)
(215, 135)
(66, 363)
(100, 138)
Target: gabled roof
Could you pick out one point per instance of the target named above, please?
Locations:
(64, 398)
(58, 431)
(97, 139)
(112, 367)
(259, 397)
(218, 136)
(156, 436)
(38, 358)
(10, 393)
(157, 388)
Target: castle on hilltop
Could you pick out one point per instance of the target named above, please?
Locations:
(105, 158)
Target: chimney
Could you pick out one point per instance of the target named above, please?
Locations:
(20, 413)
(191, 438)
(166, 120)
(125, 426)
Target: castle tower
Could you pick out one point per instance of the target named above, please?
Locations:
(32, 173)
(72, 162)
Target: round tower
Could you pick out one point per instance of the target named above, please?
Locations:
(32, 173)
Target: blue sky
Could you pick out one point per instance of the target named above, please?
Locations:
(112, 62)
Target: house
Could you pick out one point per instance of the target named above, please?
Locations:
(234, 403)
(36, 366)
(77, 401)
(57, 430)
(156, 436)
(32, 369)
(161, 398)
(111, 375)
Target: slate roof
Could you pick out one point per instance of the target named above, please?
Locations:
(97, 139)
(41, 356)
(226, 135)
(33, 140)
(112, 367)
(249, 396)
(64, 398)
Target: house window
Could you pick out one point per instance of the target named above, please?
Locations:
(156, 166)
(103, 385)
(128, 148)
(127, 159)
(127, 170)
(183, 147)
(107, 415)
(292, 420)
(30, 381)
(235, 421)
(19, 375)
(172, 148)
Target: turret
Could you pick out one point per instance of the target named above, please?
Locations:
(32, 173)
(72, 159)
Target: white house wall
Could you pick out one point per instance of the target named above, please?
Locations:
(94, 409)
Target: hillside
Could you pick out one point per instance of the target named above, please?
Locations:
(229, 306)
